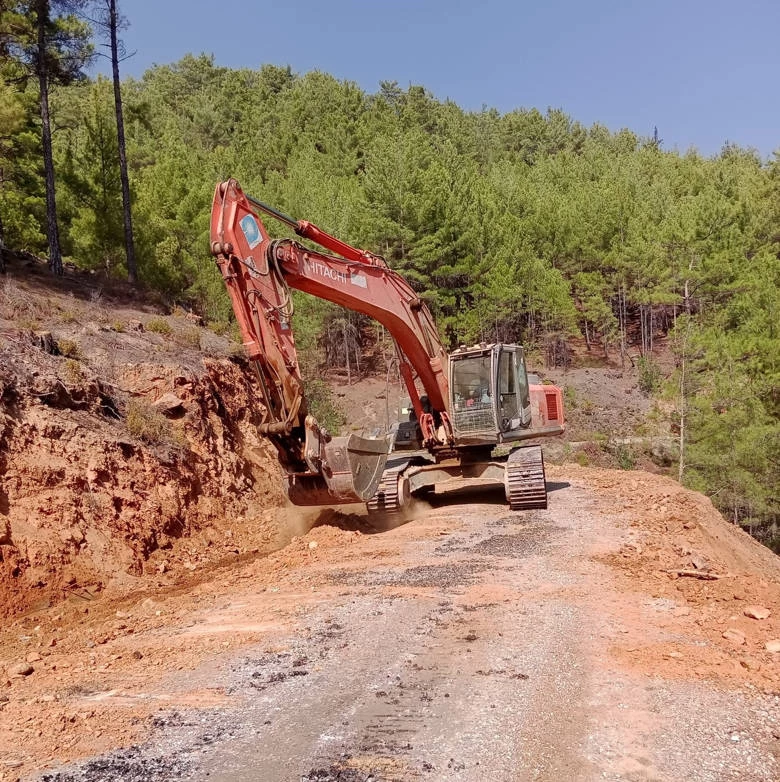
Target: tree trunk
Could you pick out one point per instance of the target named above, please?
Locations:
(132, 273)
(2, 247)
(346, 350)
(42, 68)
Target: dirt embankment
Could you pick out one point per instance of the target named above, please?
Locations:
(128, 445)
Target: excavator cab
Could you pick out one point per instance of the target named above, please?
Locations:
(490, 394)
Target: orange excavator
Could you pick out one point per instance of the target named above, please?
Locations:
(464, 404)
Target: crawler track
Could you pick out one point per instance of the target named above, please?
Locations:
(525, 484)
(389, 498)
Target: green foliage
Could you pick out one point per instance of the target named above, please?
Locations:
(322, 405)
(158, 325)
(650, 375)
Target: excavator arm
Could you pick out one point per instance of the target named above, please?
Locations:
(259, 272)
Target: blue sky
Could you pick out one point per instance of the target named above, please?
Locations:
(703, 72)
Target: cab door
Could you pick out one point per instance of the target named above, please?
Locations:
(514, 404)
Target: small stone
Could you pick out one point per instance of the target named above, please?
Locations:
(682, 611)
(22, 669)
(135, 325)
(169, 404)
(735, 736)
(313, 544)
(33, 657)
(750, 665)
(773, 646)
(137, 655)
(757, 612)
(736, 637)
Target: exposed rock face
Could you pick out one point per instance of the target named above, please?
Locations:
(86, 499)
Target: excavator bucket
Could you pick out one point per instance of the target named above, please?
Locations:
(351, 470)
(355, 466)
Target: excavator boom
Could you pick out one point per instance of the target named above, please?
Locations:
(259, 273)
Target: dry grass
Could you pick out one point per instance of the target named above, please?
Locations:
(69, 348)
(187, 338)
(158, 326)
(73, 372)
(147, 423)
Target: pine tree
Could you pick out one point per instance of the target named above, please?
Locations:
(51, 43)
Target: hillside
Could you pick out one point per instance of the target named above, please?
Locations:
(128, 444)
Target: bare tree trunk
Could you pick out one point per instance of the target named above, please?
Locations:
(681, 463)
(42, 68)
(132, 273)
(683, 396)
(2, 245)
(650, 338)
(346, 350)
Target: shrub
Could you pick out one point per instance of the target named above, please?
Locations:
(649, 375)
(624, 455)
(188, 338)
(219, 327)
(69, 348)
(158, 326)
(147, 423)
(323, 406)
(73, 371)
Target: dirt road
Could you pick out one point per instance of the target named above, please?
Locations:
(470, 644)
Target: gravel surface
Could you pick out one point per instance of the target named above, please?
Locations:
(480, 653)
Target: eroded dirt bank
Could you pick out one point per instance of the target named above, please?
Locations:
(128, 448)
(471, 643)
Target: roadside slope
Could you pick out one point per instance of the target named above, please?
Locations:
(128, 446)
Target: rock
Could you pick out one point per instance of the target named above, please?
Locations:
(313, 544)
(135, 325)
(169, 404)
(700, 563)
(137, 655)
(737, 637)
(689, 525)
(33, 657)
(757, 612)
(682, 611)
(749, 664)
(773, 646)
(22, 669)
